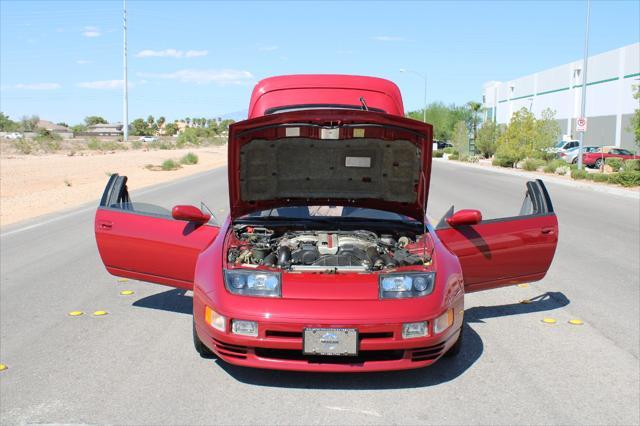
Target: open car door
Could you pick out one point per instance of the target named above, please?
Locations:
(143, 241)
(501, 252)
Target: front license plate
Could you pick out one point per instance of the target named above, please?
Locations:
(330, 341)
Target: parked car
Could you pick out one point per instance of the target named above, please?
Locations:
(563, 146)
(596, 159)
(148, 139)
(13, 136)
(443, 144)
(327, 261)
(571, 155)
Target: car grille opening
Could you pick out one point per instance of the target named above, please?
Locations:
(427, 353)
(230, 350)
(298, 334)
(362, 357)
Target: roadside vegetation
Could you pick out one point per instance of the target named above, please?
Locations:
(179, 134)
(524, 144)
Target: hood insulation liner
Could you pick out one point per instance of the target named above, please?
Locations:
(334, 169)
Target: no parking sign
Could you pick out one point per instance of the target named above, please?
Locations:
(581, 124)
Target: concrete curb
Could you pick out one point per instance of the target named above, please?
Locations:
(623, 192)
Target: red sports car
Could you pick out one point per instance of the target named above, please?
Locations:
(597, 158)
(326, 261)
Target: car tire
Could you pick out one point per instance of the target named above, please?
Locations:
(201, 348)
(457, 346)
(575, 161)
(598, 163)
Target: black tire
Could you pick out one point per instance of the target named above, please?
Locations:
(598, 163)
(201, 348)
(575, 161)
(455, 349)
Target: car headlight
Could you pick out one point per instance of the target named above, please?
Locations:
(252, 283)
(396, 286)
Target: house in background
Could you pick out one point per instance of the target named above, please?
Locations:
(111, 129)
(63, 131)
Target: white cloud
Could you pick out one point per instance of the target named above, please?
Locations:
(91, 32)
(270, 48)
(103, 84)
(36, 86)
(388, 38)
(82, 62)
(203, 76)
(171, 53)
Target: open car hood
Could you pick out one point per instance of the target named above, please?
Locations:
(330, 157)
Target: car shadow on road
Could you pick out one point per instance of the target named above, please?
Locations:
(445, 370)
(175, 300)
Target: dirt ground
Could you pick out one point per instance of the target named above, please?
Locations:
(33, 185)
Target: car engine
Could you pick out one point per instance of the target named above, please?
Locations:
(358, 250)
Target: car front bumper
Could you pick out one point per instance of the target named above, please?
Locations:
(279, 344)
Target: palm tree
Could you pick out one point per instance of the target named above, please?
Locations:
(187, 120)
(475, 108)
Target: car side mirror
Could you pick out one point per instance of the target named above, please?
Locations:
(189, 214)
(465, 217)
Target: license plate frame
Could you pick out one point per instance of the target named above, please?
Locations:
(337, 341)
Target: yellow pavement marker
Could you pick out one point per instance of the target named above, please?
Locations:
(3, 367)
(523, 285)
(549, 321)
(576, 322)
(123, 280)
(75, 313)
(100, 313)
(126, 292)
(525, 301)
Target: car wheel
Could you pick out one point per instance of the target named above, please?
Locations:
(575, 161)
(201, 348)
(598, 163)
(455, 349)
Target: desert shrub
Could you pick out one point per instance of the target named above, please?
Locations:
(189, 158)
(632, 165)
(23, 146)
(563, 170)
(526, 136)
(438, 153)
(532, 164)
(474, 158)
(578, 174)
(599, 177)
(170, 164)
(93, 144)
(454, 156)
(162, 145)
(191, 136)
(553, 165)
(463, 157)
(449, 150)
(503, 161)
(136, 144)
(614, 163)
(625, 178)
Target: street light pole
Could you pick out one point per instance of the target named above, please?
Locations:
(423, 76)
(584, 82)
(125, 106)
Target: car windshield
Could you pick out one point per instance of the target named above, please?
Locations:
(560, 144)
(310, 212)
(624, 152)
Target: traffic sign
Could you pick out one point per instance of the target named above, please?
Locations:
(581, 124)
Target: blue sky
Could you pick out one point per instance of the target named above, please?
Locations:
(63, 60)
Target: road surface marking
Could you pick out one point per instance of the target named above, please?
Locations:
(126, 292)
(576, 322)
(355, 410)
(75, 313)
(549, 321)
(100, 313)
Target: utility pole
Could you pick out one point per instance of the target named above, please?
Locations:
(125, 111)
(584, 83)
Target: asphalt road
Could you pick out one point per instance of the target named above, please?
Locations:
(137, 365)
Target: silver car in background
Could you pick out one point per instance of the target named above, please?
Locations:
(571, 154)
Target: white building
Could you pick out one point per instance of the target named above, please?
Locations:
(611, 77)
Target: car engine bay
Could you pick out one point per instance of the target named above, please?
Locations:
(322, 251)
